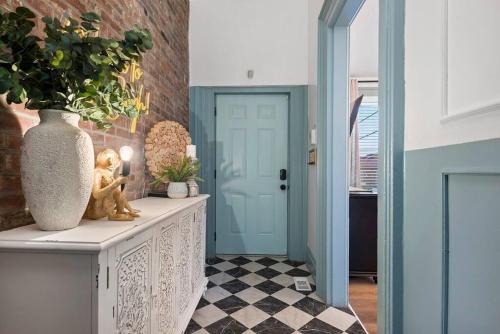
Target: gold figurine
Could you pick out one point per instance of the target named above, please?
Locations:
(107, 199)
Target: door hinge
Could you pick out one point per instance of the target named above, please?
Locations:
(107, 277)
(215, 236)
(113, 311)
(215, 173)
(97, 276)
(215, 111)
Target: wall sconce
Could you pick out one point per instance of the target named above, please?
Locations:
(314, 138)
(191, 151)
(126, 153)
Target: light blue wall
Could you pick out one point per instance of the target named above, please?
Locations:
(452, 239)
(202, 129)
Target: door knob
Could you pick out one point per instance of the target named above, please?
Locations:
(283, 187)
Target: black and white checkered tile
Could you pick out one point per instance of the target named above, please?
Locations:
(257, 295)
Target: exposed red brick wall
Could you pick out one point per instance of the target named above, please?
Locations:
(166, 76)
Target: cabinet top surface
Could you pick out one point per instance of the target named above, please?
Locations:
(95, 235)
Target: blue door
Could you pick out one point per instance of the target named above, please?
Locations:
(252, 160)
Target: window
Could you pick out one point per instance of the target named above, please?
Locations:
(368, 124)
(365, 149)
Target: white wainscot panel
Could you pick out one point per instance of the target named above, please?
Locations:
(471, 66)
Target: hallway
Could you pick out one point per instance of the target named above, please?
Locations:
(257, 295)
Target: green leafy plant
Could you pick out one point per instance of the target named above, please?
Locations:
(181, 171)
(73, 69)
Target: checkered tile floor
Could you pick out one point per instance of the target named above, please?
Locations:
(257, 295)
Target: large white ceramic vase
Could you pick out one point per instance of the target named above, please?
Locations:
(57, 163)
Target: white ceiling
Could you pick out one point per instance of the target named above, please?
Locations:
(364, 42)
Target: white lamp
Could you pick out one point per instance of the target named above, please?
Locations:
(191, 151)
(193, 188)
(126, 153)
(314, 138)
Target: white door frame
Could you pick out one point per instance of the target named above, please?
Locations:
(332, 264)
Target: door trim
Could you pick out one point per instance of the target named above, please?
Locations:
(332, 263)
(338, 14)
(202, 129)
(392, 165)
(445, 228)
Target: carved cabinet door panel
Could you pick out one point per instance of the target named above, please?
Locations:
(198, 248)
(132, 284)
(184, 258)
(164, 286)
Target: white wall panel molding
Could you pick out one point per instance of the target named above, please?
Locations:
(468, 82)
(444, 45)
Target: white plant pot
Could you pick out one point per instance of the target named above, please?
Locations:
(177, 190)
(57, 164)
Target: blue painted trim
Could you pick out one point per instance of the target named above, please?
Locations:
(311, 262)
(391, 166)
(333, 191)
(202, 129)
(321, 188)
(339, 201)
(445, 270)
(391, 85)
(446, 250)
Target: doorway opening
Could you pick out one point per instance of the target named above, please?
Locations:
(363, 200)
(332, 263)
(363, 163)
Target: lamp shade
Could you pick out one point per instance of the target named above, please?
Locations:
(126, 153)
(191, 151)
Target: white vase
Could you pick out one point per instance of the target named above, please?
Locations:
(57, 163)
(177, 190)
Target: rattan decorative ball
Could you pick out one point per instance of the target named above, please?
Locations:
(165, 142)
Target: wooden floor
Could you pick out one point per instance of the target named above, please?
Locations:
(363, 299)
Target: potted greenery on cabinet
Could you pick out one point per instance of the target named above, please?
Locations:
(177, 175)
(73, 74)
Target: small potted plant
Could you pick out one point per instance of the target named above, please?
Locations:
(72, 74)
(177, 175)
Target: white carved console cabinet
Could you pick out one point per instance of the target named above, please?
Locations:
(145, 276)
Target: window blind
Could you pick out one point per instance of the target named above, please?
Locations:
(368, 125)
